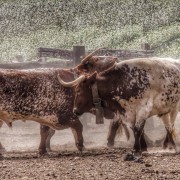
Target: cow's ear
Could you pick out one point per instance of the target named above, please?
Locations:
(91, 79)
(82, 68)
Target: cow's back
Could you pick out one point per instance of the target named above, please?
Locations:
(145, 81)
(34, 92)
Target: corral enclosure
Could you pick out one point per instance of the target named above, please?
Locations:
(117, 25)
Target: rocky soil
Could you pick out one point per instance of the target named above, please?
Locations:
(96, 162)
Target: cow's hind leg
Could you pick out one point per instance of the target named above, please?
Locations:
(2, 149)
(138, 132)
(139, 140)
(169, 141)
(50, 135)
(143, 143)
(113, 127)
(168, 120)
(166, 141)
(44, 132)
(77, 130)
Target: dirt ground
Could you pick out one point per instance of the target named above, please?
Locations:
(96, 162)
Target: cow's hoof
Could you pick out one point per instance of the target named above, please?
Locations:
(170, 147)
(144, 149)
(80, 147)
(165, 146)
(48, 149)
(138, 159)
(129, 157)
(133, 157)
(110, 144)
(2, 150)
(43, 155)
(42, 152)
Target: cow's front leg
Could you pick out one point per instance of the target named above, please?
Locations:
(113, 127)
(139, 140)
(44, 132)
(48, 140)
(143, 143)
(77, 130)
(138, 131)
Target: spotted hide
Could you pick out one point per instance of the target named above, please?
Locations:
(139, 89)
(37, 95)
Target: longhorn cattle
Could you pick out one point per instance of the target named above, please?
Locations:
(137, 89)
(37, 95)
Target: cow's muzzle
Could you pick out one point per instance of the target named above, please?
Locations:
(76, 112)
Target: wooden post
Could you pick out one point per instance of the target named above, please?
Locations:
(78, 51)
(39, 55)
(146, 46)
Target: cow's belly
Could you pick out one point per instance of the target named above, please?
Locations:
(163, 106)
(48, 120)
(136, 109)
(150, 105)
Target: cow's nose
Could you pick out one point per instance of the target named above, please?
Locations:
(76, 112)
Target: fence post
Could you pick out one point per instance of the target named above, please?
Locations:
(145, 46)
(78, 51)
(39, 55)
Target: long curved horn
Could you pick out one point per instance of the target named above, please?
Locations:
(90, 55)
(72, 83)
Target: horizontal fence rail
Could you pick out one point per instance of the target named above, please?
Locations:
(70, 58)
(56, 53)
(125, 54)
(79, 51)
(34, 65)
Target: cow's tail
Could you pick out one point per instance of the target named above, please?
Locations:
(126, 130)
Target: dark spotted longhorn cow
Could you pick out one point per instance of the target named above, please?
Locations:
(37, 95)
(138, 89)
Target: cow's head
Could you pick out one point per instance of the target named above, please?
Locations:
(83, 95)
(83, 92)
(88, 66)
(91, 64)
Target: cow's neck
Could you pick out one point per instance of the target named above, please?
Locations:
(103, 100)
